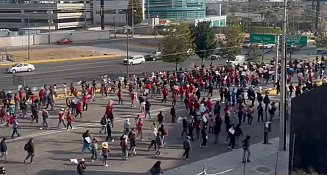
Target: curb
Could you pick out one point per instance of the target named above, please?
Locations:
(63, 60)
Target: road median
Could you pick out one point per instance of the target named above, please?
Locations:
(112, 56)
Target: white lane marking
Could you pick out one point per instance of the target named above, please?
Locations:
(222, 172)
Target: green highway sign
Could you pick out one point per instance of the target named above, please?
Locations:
(262, 38)
(296, 40)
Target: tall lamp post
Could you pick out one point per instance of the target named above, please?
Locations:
(49, 23)
(28, 38)
(127, 45)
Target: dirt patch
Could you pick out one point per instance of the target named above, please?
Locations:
(55, 53)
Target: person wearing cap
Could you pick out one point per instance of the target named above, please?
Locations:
(61, 118)
(105, 153)
(81, 167)
(45, 116)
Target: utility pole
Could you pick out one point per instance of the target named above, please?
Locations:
(276, 61)
(317, 14)
(29, 38)
(127, 45)
(132, 18)
(283, 103)
(49, 23)
(102, 14)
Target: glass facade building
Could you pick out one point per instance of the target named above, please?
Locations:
(175, 9)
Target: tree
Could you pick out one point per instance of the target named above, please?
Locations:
(204, 39)
(231, 45)
(135, 11)
(321, 39)
(254, 54)
(177, 44)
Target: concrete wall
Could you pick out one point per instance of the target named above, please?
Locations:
(43, 38)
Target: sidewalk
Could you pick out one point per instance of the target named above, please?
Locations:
(263, 162)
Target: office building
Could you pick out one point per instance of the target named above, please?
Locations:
(46, 14)
(175, 9)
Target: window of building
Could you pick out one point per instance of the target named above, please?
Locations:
(10, 20)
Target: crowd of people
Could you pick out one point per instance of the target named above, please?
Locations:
(239, 98)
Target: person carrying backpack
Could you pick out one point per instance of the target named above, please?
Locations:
(29, 148)
(103, 123)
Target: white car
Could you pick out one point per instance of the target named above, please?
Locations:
(21, 67)
(138, 59)
(267, 46)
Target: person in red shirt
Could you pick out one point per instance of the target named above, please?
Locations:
(139, 127)
(78, 109)
(85, 102)
(120, 99)
(69, 120)
(209, 104)
(181, 93)
(164, 94)
(91, 91)
(61, 117)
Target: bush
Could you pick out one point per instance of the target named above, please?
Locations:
(267, 30)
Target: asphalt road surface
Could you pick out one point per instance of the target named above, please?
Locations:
(55, 147)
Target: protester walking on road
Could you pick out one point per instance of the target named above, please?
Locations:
(153, 139)
(123, 146)
(105, 153)
(70, 120)
(186, 147)
(81, 167)
(204, 136)
(103, 123)
(246, 145)
(260, 112)
(45, 116)
(127, 126)
(147, 109)
(61, 118)
(14, 127)
(3, 149)
(86, 141)
(29, 148)
(184, 124)
(109, 136)
(79, 109)
(173, 114)
(217, 128)
(139, 126)
(94, 147)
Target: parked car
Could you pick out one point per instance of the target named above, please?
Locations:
(137, 59)
(153, 56)
(65, 41)
(215, 57)
(268, 46)
(21, 67)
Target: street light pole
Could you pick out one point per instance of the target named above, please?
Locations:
(49, 23)
(127, 45)
(132, 20)
(28, 37)
(283, 104)
(276, 61)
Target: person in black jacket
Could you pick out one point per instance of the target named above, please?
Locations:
(204, 136)
(217, 128)
(184, 124)
(3, 149)
(29, 148)
(81, 167)
(173, 114)
(156, 169)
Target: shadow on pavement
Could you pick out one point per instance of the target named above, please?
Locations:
(66, 172)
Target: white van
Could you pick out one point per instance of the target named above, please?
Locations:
(137, 59)
(239, 60)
